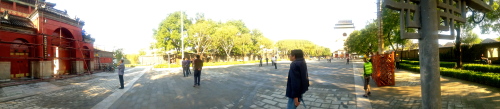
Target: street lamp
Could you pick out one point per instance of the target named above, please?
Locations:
(182, 35)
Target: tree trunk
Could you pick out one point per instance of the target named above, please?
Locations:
(389, 39)
(458, 49)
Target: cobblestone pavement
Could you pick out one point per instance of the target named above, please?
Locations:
(455, 94)
(78, 92)
(241, 86)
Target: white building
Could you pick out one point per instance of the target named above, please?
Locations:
(342, 30)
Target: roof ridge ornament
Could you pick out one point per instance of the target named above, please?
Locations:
(6, 15)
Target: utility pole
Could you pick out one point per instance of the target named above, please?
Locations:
(429, 55)
(380, 28)
(182, 36)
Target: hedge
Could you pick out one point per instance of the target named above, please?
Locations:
(134, 65)
(482, 68)
(410, 67)
(166, 66)
(492, 79)
(441, 64)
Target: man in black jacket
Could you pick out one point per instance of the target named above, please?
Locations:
(298, 81)
(197, 66)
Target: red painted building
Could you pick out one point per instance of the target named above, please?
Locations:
(38, 40)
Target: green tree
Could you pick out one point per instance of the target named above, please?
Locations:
(118, 54)
(244, 44)
(142, 52)
(411, 45)
(225, 38)
(132, 58)
(168, 33)
(240, 25)
(471, 38)
(200, 35)
(491, 20)
(259, 42)
(363, 41)
(392, 30)
(309, 48)
(326, 52)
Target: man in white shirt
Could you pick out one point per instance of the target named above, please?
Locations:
(275, 62)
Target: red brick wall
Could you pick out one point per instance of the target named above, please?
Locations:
(51, 26)
(9, 37)
(106, 60)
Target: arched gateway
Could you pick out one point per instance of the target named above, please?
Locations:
(63, 45)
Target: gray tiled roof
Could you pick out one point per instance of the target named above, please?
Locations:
(16, 21)
(57, 12)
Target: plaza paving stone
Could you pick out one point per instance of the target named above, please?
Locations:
(455, 94)
(78, 92)
(240, 86)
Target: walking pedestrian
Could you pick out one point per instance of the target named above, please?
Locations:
(260, 58)
(197, 65)
(189, 65)
(185, 67)
(298, 80)
(398, 60)
(367, 74)
(347, 60)
(121, 71)
(272, 61)
(275, 62)
(267, 63)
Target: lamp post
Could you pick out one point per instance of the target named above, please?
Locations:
(182, 36)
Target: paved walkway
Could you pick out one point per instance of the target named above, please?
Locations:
(78, 92)
(333, 86)
(455, 94)
(241, 86)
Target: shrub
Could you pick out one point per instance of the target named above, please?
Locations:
(134, 65)
(492, 79)
(441, 64)
(482, 68)
(410, 62)
(448, 64)
(166, 66)
(410, 67)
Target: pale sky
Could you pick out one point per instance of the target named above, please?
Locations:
(128, 24)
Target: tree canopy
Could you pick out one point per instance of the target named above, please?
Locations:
(363, 41)
(308, 47)
(206, 36)
(491, 22)
(168, 33)
(118, 54)
(470, 38)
